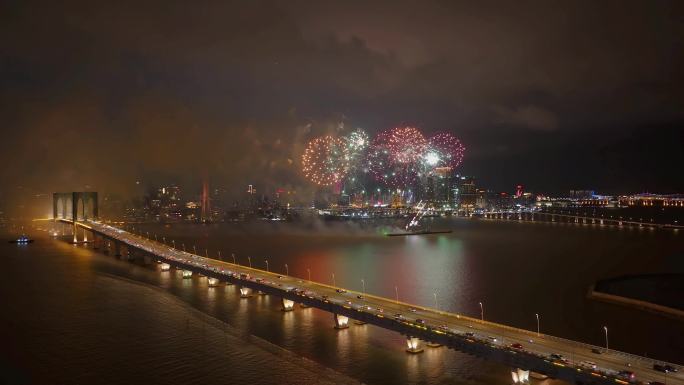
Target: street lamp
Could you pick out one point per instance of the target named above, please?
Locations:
(333, 279)
(184, 248)
(287, 270)
(233, 255)
(436, 306)
(194, 249)
(250, 262)
(363, 286)
(396, 293)
(308, 271)
(481, 311)
(605, 329)
(266, 260)
(219, 255)
(537, 315)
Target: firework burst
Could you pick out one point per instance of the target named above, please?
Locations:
(393, 155)
(396, 158)
(356, 142)
(324, 160)
(443, 150)
(406, 144)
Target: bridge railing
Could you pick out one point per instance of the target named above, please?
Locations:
(586, 346)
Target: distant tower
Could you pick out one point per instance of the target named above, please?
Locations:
(205, 202)
(519, 191)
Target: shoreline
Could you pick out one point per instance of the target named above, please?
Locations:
(635, 303)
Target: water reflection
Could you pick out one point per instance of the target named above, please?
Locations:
(516, 269)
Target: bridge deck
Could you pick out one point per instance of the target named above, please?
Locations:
(456, 331)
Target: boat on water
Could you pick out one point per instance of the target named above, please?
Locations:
(423, 232)
(414, 223)
(22, 240)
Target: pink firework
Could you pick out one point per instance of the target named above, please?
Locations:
(406, 144)
(393, 156)
(445, 150)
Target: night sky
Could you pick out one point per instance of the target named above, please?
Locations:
(553, 95)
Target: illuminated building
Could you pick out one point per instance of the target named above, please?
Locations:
(581, 194)
(466, 193)
(657, 200)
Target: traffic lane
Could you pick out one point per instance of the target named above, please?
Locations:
(561, 347)
(577, 353)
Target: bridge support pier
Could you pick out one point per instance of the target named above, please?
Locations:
(288, 304)
(212, 282)
(520, 376)
(165, 267)
(245, 292)
(413, 344)
(341, 321)
(187, 274)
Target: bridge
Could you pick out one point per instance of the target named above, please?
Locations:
(522, 350)
(550, 216)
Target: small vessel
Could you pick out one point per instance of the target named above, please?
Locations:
(414, 223)
(424, 232)
(22, 240)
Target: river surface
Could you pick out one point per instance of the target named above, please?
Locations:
(72, 315)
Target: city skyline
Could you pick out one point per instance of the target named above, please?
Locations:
(577, 102)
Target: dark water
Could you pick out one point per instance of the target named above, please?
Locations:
(74, 316)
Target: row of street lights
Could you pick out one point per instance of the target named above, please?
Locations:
(363, 284)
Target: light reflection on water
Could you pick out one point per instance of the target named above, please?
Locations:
(515, 269)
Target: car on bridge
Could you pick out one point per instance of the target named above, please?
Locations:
(664, 368)
(557, 357)
(626, 374)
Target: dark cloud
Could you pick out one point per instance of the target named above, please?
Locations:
(108, 93)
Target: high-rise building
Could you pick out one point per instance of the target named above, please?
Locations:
(466, 192)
